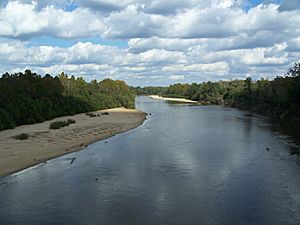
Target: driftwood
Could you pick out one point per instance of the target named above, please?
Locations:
(72, 159)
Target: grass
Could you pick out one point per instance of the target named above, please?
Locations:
(22, 136)
(58, 124)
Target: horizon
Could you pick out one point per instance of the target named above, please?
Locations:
(143, 86)
(154, 43)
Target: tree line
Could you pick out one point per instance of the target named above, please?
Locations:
(27, 98)
(279, 98)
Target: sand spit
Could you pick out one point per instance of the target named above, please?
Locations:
(44, 144)
(172, 99)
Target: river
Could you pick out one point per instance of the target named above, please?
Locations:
(186, 165)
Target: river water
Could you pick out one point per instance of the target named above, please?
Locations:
(184, 165)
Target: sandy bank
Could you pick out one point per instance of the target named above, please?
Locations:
(173, 99)
(44, 144)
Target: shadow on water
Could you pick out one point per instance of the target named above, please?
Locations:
(286, 130)
(290, 132)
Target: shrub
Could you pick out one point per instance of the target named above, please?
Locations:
(91, 115)
(22, 136)
(58, 124)
(70, 121)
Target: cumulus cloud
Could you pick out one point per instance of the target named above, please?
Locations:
(195, 64)
(40, 4)
(166, 7)
(138, 19)
(151, 7)
(194, 40)
(104, 5)
(170, 44)
(131, 23)
(176, 77)
(218, 68)
(25, 21)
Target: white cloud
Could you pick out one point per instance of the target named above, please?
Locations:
(195, 64)
(132, 23)
(134, 19)
(104, 5)
(217, 68)
(25, 21)
(170, 44)
(167, 7)
(159, 56)
(193, 39)
(176, 77)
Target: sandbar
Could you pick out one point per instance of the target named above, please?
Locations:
(44, 144)
(183, 100)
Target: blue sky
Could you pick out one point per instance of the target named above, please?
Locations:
(157, 42)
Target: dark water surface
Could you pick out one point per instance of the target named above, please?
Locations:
(185, 165)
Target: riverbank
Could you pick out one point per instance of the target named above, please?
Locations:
(44, 144)
(183, 100)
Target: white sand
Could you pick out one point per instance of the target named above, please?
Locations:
(173, 99)
(44, 144)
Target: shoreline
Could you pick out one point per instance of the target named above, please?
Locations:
(44, 144)
(183, 100)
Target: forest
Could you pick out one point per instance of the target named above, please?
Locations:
(27, 98)
(278, 98)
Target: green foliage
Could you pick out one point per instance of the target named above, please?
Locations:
(27, 98)
(100, 95)
(278, 98)
(150, 90)
(177, 90)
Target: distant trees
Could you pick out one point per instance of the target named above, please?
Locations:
(177, 90)
(27, 98)
(100, 95)
(278, 98)
(150, 90)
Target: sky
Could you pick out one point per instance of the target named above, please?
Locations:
(151, 42)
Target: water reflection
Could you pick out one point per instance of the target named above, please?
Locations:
(185, 165)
